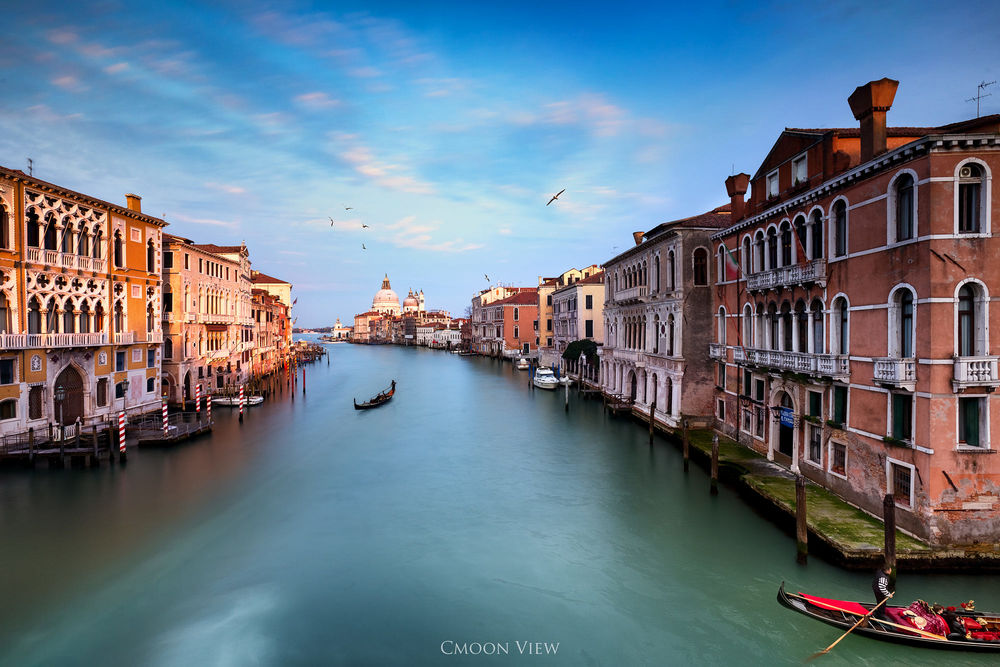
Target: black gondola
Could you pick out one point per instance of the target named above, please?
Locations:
(982, 629)
(379, 399)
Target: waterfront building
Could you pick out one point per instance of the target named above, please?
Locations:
(853, 340)
(270, 315)
(657, 312)
(79, 306)
(546, 331)
(446, 338)
(362, 331)
(341, 332)
(479, 323)
(385, 300)
(208, 313)
(510, 323)
(282, 289)
(578, 314)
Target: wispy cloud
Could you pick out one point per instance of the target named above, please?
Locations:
(69, 82)
(206, 221)
(61, 36)
(116, 68)
(223, 187)
(385, 174)
(316, 101)
(407, 233)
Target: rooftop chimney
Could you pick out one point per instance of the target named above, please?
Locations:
(869, 104)
(736, 186)
(134, 202)
(638, 237)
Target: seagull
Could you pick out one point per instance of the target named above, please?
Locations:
(348, 208)
(364, 226)
(331, 221)
(556, 196)
(363, 247)
(487, 277)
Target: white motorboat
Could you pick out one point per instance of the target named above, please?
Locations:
(234, 401)
(545, 379)
(522, 364)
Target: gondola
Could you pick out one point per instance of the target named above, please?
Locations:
(981, 629)
(379, 399)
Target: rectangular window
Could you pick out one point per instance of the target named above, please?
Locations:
(168, 302)
(840, 405)
(35, 403)
(516, 333)
(548, 342)
(201, 265)
(135, 234)
(722, 374)
(772, 184)
(799, 172)
(120, 360)
(747, 420)
(6, 371)
(548, 325)
(588, 328)
(515, 314)
(548, 300)
(8, 409)
(168, 260)
(136, 291)
(816, 444)
(838, 458)
(747, 382)
(102, 392)
(902, 416)
(720, 409)
(759, 421)
(815, 404)
(589, 301)
(150, 358)
(187, 261)
(119, 390)
(970, 417)
(901, 483)
(759, 390)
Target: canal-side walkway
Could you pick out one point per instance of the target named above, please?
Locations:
(837, 530)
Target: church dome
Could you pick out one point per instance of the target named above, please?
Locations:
(410, 302)
(385, 299)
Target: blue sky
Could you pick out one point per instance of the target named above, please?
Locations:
(447, 126)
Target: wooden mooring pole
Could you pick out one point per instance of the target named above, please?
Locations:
(715, 465)
(685, 442)
(889, 520)
(801, 528)
(567, 397)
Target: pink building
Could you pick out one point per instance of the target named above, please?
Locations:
(852, 309)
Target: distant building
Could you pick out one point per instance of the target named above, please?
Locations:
(546, 329)
(578, 314)
(509, 324)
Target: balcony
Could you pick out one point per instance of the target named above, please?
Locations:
(797, 274)
(66, 260)
(154, 336)
(215, 318)
(835, 366)
(636, 357)
(126, 338)
(975, 372)
(717, 350)
(9, 341)
(895, 372)
(631, 294)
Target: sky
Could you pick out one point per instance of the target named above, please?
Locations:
(445, 127)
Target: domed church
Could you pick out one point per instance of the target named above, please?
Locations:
(385, 300)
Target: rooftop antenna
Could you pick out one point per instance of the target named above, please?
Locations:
(31, 167)
(979, 95)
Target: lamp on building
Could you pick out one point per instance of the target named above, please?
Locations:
(60, 395)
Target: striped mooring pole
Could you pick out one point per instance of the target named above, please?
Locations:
(121, 437)
(241, 404)
(163, 409)
(208, 408)
(197, 398)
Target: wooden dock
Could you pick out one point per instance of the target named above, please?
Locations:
(618, 403)
(180, 426)
(71, 446)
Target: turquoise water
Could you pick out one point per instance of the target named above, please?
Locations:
(469, 511)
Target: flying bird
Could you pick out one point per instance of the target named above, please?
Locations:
(363, 247)
(348, 208)
(331, 221)
(364, 226)
(487, 277)
(556, 196)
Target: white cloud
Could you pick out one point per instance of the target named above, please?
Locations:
(223, 187)
(117, 67)
(206, 221)
(504, 230)
(69, 82)
(386, 174)
(407, 233)
(316, 101)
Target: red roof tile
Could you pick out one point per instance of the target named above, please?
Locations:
(525, 297)
(259, 277)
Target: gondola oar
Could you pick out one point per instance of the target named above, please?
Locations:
(860, 621)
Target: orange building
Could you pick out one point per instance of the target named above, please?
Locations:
(79, 306)
(510, 323)
(853, 316)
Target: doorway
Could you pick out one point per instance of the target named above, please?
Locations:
(72, 404)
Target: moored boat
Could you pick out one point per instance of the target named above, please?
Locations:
(380, 398)
(522, 364)
(960, 629)
(545, 379)
(234, 401)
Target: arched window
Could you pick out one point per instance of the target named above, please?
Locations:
(4, 227)
(721, 327)
(971, 198)
(69, 318)
(671, 272)
(745, 257)
(840, 228)
(901, 313)
(668, 399)
(816, 310)
(50, 232)
(118, 251)
(759, 328)
(51, 316)
(759, 247)
(34, 316)
(98, 242)
(670, 335)
(67, 237)
(150, 319)
(700, 266)
(150, 257)
(32, 229)
(4, 314)
(904, 207)
(786, 327)
(772, 321)
(84, 317)
(772, 249)
(747, 326)
(840, 329)
(966, 321)
(802, 234)
(786, 244)
(656, 334)
(119, 318)
(816, 251)
(801, 328)
(83, 243)
(99, 318)
(168, 348)
(720, 264)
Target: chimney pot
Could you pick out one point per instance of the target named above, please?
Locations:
(736, 186)
(638, 237)
(134, 202)
(869, 103)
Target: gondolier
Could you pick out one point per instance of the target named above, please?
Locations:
(881, 588)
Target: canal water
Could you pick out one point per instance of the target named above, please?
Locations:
(469, 513)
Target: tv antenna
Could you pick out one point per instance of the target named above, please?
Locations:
(31, 166)
(979, 94)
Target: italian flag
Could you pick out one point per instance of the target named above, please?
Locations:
(732, 266)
